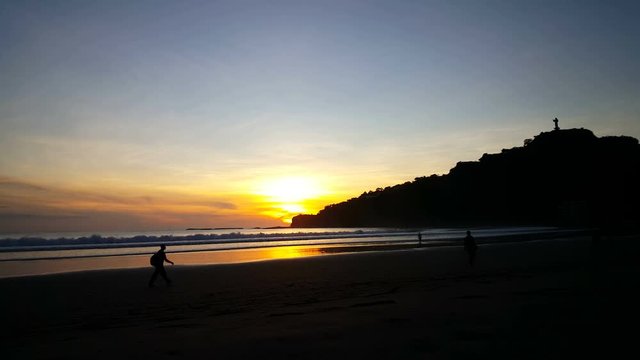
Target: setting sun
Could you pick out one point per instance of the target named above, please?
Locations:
(291, 189)
(286, 197)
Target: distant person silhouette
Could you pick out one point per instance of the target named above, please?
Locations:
(470, 247)
(419, 239)
(556, 127)
(157, 261)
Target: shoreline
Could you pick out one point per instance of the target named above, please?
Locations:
(106, 242)
(41, 266)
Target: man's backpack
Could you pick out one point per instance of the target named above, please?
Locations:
(155, 260)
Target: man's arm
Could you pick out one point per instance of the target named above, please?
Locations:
(167, 260)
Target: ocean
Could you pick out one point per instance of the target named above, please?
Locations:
(38, 254)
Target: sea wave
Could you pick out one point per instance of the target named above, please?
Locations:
(259, 238)
(99, 241)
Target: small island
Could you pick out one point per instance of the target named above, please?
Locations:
(215, 228)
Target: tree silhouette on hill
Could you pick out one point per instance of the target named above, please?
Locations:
(562, 177)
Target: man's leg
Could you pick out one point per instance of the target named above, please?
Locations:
(153, 277)
(163, 273)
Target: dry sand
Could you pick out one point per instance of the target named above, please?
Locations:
(531, 300)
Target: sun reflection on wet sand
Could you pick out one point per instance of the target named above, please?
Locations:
(245, 255)
(50, 266)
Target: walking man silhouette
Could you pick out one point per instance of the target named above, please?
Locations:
(470, 247)
(157, 261)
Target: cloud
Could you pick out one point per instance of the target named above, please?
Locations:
(11, 184)
(28, 207)
(47, 217)
(224, 205)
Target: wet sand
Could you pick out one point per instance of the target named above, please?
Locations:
(530, 300)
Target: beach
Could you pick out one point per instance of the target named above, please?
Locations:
(530, 300)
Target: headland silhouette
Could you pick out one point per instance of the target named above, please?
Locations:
(560, 178)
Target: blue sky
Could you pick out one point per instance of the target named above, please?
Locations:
(206, 99)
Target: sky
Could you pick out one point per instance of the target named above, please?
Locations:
(157, 115)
